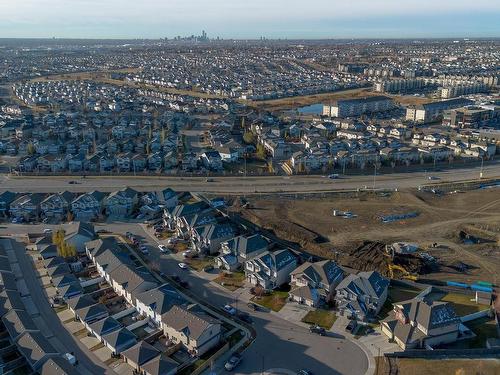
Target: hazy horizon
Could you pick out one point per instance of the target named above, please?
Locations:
(239, 19)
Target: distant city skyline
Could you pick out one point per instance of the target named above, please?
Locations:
(241, 19)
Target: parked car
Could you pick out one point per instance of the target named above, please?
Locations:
(252, 306)
(351, 326)
(245, 317)
(184, 284)
(183, 266)
(176, 278)
(233, 362)
(304, 372)
(333, 176)
(189, 254)
(208, 268)
(163, 248)
(47, 231)
(229, 309)
(318, 330)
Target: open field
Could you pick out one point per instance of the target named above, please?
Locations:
(440, 220)
(408, 366)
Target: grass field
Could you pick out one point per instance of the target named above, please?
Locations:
(322, 318)
(198, 264)
(275, 301)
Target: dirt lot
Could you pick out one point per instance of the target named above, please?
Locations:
(440, 220)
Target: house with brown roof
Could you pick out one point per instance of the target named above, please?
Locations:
(196, 331)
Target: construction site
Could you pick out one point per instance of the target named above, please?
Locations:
(453, 235)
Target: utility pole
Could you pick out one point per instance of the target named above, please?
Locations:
(481, 170)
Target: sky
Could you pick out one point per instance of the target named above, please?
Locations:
(248, 19)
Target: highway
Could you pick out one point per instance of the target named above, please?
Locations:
(248, 185)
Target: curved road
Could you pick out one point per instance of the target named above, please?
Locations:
(247, 185)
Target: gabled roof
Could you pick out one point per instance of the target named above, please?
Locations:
(192, 324)
(63, 280)
(276, 260)
(326, 272)
(132, 280)
(60, 269)
(35, 347)
(161, 299)
(17, 322)
(248, 245)
(70, 289)
(365, 283)
(80, 228)
(141, 353)
(96, 247)
(53, 262)
(10, 300)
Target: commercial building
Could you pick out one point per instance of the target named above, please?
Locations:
(471, 117)
(432, 111)
(356, 107)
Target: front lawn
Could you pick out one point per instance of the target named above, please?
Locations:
(322, 318)
(231, 280)
(198, 264)
(274, 301)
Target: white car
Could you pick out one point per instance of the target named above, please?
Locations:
(229, 309)
(172, 240)
(183, 266)
(162, 248)
(47, 231)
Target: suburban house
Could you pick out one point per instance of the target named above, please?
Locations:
(421, 322)
(6, 198)
(196, 331)
(239, 249)
(161, 365)
(139, 354)
(121, 203)
(315, 282)
(56, 206)
(88, 206)
(361, 296)
(78, 234)
(26, 207)
(207, 238)
(155, 302)
(270, 270)
(119, 340)
(104, 326)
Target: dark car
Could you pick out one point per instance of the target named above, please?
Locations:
(351, 326)
(245, 317)
(184, 284)
(176, 278)
(252, 306)
(317, 330)
(208, 268)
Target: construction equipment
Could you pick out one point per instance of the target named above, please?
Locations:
(406, 274)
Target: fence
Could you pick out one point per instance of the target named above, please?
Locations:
(209, 361)
(446, 353)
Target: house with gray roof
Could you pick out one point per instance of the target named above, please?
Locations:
(35, 348)
(92, 313)
(63, 280)
(271, 269)
(139, 354)
(361, 296)
(78, 233)
(7, 281)
(10, 300)
(59, 270)
(57, 365)
(129, 282)
(197, 331)
(161, 365)
(104, 326)
(16, 322)
(422, 322)
(155, 302)
(71, 290)
(312, 283)
(119, 340)
(207, 238)
(239, 249)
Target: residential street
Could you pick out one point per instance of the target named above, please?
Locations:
(65, 342)
(293, 347)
